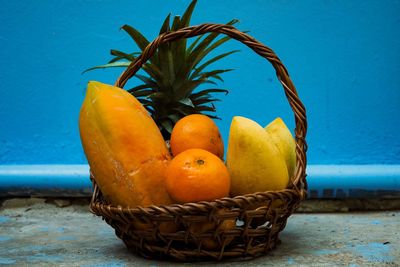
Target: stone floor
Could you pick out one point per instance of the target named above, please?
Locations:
(35, 232)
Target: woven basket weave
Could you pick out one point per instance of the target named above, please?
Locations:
(259, 217)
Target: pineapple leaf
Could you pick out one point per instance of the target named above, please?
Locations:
(214, 59)
(216, 76)
(139, 39)
(200, 50)
(205, 100)
(153, 71)
(165, 25)
(178, 47)
(186, 102)
(201, 47)
(147, 104)
(159, 96)
(166, 57)
(185, 110)
(199, 55)
(163, 59)
(213, 74)
(143, 93)
(206, 108)
(109, 65)
(147, 80)
(174, 118)
(171, 67)
(139, 88)
(176, 23)
(136, 36)
(194, 43)
(209, 38)
(207, 91)
(213, 116)
(167, 125)
(122, 55)
(189, 86)
(188, 14)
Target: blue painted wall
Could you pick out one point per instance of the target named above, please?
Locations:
(343, 56)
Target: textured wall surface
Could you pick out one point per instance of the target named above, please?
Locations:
(343, 56)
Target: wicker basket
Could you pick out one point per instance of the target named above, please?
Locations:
(258, 218)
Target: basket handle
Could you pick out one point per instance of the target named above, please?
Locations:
(299, 182)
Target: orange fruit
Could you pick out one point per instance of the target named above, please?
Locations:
(197, 175)
(196, 131)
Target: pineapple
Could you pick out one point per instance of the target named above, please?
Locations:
(170, 89)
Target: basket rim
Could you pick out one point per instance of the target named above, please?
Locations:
(287, 194)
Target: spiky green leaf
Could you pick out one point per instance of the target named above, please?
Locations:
(185, 110)
(136, 36)
(123, 55)
(109, 65)
(213, 116)
(202, 48)
(139, 39)
(159, 97)
(194, 43)
(139, 88)
(207, 41)
(198, 56)
(146, 80)
(174, 117)
(187, 102)
(119, 55)
(217, 77)
(167, 125)
(188, 14)
(212, 60)
(213, 74)
(205, 100)
(176, 23)
(207, 91)
(143, 93)
(205, 108)
(154, 72)
(165, 25)
(188, 87)
(178, 49)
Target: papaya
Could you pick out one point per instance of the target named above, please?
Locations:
(124, 147)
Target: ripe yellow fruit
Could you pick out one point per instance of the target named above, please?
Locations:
(253, 160)
(124, 147)
(284, 141)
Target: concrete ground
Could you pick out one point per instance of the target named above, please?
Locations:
(34, 232)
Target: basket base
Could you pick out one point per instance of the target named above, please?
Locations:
(189, 250)
(185, 254)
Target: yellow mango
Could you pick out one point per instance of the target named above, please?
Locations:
(284, 141)
(124, 147)
(253, 160)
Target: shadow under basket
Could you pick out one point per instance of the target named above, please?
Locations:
(241, 227)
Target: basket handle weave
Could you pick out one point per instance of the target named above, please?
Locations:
(299, 182)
